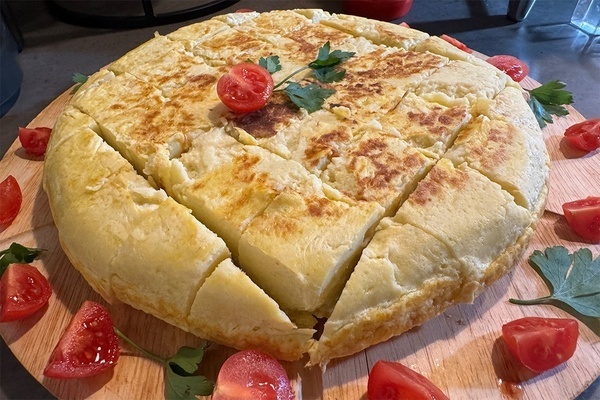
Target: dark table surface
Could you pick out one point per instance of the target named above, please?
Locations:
(53, 50)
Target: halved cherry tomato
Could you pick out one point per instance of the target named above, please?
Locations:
(23, 291)
(35, 140)
(10, 200)
(510, 65)
(244, 10)
(391, 381)
(88, 346)
(251, 374)
(539, 343)
(456, 43)
(585, 135)
(245, 88)
(583, 217)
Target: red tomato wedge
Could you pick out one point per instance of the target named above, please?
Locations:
(35, 140)
(539, 343)
(245, 88)
(583, 217)
(250, 375)
(23, 291)
(456, 43)
(10, 200)
(392, 381)
(88, 346)
(585, 135)
(510, 65)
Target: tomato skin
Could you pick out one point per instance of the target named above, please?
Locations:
(393, 381)
(250, 375)
(10, 200)
(245, 88)
(386, 10)
(23, 291)
(35, 140)
(539, 343)
(583, 217)
(456, 43)
(88, 346)
(584, 135)
(510, 65)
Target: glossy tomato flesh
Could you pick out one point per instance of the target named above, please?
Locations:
(23, 291)
(510, 65)
(583, 217)
(391, 381)
(585, 135)
(245, 88)
(10, 200)
(251, 374)
(88, 346)
(35, 140)
(539, 343)
(456, 43)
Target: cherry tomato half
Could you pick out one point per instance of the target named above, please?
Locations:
(23, 291)
(245, 88)
(35, 140)
(88, 346)
(583, 217)
(376, 9)
(585, 135)
(456, 43)
(391, 381)
(539, 343)
(251, 374)
(510, 65)
(10, 200)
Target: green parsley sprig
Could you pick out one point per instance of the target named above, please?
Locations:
(181, 381)
(548, 100)
(17, 253)
(573, 280)
(325, 69)
(79, 79)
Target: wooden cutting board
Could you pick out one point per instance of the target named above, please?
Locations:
(459, 351)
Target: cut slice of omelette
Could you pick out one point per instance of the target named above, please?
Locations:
(311, 140)
(227, 184)
(506, 155)
(487, 223)
(461, 79)
(98, 197)
(231, 309)
(302, 248)
(428, 125)
(404, 277)
(378, 32)
(377, 167)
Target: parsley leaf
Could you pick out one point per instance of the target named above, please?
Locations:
(573, 280)
(17, 253)
(330, 74)
(270, 63)
(79, 79)
(549, 99)
(310, 97)
(181, 381)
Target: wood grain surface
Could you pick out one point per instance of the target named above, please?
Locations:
(459, 351)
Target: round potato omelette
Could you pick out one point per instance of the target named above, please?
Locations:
(418, 183)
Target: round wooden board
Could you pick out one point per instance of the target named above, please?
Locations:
(459, 350)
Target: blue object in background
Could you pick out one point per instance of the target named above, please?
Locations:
(11, 74)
